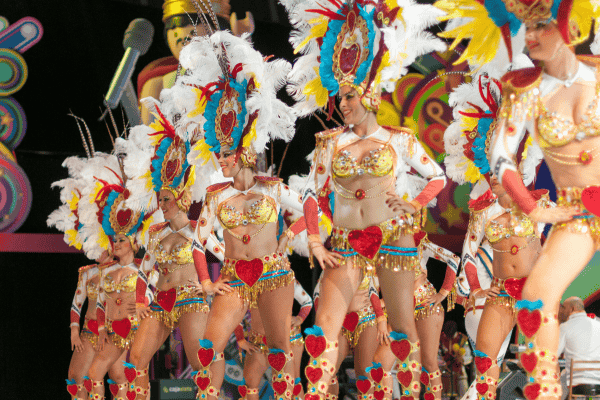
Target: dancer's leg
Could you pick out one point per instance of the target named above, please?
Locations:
(429, 329)
(78, 368)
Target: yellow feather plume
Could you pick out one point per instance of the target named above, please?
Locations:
(315, 88)
(200, 104)
(319, 29)
(204, 151)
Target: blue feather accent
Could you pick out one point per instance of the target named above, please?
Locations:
(129, 365)
(483, 127)
(297, 381)
(332, 202)
(314, 330)
(71, 381)
(478, 353)
(205, 343)
(275, 351)
(374, 365)
(530, 305)
(106, 226)
(111, 382)
(499, 14)
(398, 335)
(554, 9)
(362, 377)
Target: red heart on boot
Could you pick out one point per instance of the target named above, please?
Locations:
(130, 374)
(88, 385)
(131, 395)
(428, 396)
(363, 385)
(532, 391)
(297, 389)
(407, 398)
(529, 321)
(404, 378)
(93, 326)
(279, 387)
(483, 364)
(529, 361)
(276, 361)
(249, 271)
(205, 356)
(424, 378)
(72, 389)
(203, 381)
(242, 390)
(482, 387)
(366, 242)
(312, 397)
(401, 348)
(351, 321)
(122, 327)
(114, 389)
(376, 374)
(315, 345)
(590, 197)
(378, 394)
(313, 374)
(514, 287)
(167, 299)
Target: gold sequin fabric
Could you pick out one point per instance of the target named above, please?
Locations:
(92, 291)
(520, 225)
(392, 229)
(275, 273)
(180, 254)
(258, 340)
(503, 298)
(585, 223)
(261, 212)
(123, 343)
(186, 302)
(379, 162)
(87, 334)
(423, 310)
(296, 338)
(127, 284)
(366, 318)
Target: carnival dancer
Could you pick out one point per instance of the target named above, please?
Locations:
(113, 227)
(255, 345)
(157, 163)
(513, 237)
(429, 317)
(350, 50)
(557, 103)
(66, 219)
(236, 92)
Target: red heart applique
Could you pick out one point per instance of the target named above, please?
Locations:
(249, 271)
(93, 326)
(532, 391)
(72, 389)
(124, 216)
(172, 169)
(279, 387)
(376, 374)
(378, 394)
(483, 364)
(351, 321)
(514, 287)
(276, 361)
(131, 395)
(313, 374)
(297, 389)
(167, 299)
(404, 378)
(428, 396)
(529, 321)
(122, 327)
(315, 345)
(205, 356)
(424, 378)
(227, 123)
(242, 390)
(312, 397)
(114, 389)
(529, 361)
(87, 384)
(130, 374)
(482, 387)
(590, 197)
(363, 385)
(366, 242)
(349, 58)
(401, 348)
(202, 382)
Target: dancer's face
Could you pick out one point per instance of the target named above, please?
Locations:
(122, 245)
(227, 160)
(544, 41)
(350, 106)
(168, 205)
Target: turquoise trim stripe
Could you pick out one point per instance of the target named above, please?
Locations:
(265, 276)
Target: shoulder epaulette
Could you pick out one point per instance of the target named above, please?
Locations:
(109, 264)
(399, 129)
(158, 227)
(87, 267)
(483, 202)
(269, 180)
(137, 261)
(521, 80)
(324, 135)
(589, 59)
(217, 187)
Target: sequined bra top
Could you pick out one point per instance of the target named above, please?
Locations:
(555, 130)
(379, 162)
(262, 211)
(520, 225)
(92, 291)
(127, 284)
(180, 254)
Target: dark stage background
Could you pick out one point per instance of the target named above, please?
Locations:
(70, 69)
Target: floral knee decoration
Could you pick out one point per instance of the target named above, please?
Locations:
(202, 377)
(540, 364)
(316, 346)
(131, 374)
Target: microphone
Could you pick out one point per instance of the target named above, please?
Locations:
(137, 41)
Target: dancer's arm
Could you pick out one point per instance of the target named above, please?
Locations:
(80, 296)
(475, 233)
(305, 301)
